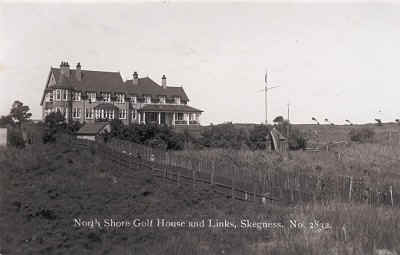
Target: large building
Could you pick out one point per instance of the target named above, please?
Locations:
(93, 96)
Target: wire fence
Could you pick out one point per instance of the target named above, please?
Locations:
(230, 180)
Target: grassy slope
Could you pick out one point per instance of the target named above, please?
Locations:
(44, 188)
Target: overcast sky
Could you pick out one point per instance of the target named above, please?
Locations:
(337, 61)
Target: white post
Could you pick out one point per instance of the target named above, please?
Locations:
(187, 118)
(159, 118)
(144, 117)
(139, 119)
(173, 119)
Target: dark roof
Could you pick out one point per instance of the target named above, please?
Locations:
(96, 81)
(148, 87)
(170, 108)
(92, 128)
(99, 81)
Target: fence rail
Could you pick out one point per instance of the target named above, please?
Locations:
(285, 187)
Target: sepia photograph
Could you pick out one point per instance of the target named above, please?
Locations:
(215, 127)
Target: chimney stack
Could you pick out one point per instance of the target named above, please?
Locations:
(164, 81)
(135, 80)
(64, 68)
(78, 72)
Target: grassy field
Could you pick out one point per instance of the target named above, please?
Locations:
(44, 188)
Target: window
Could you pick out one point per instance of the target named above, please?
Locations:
(92, 97)
(49, 97)
(122, 114)
(179, 116)
(76, 96)
(65, 94)
(106, 97)
(192, 116)
(162, 99)
(120, 98)
(177, 100)
(133, 114)
(147, 100)
(76, 113)
(133, 99)
(58, 94)
(58, 109)
(98, 114)
(109, 114)
(89, 113)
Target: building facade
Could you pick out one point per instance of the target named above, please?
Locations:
(96, 96)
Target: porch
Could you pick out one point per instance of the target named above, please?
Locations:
(170, 119)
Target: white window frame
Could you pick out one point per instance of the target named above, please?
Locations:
(92, 97)
(89, 113)
(106, 97)
(120, 98)
(133, 114)
(162, 99)
(76, 96)
(133, 99)
(147, 100)
(64, 95)
(76, 113)
(177, 100)
(58, 95)
(122, 114)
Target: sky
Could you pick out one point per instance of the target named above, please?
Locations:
(334, 60)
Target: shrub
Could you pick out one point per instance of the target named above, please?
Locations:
(362, 135)
(297, 140)
(15, 138)
(258, 137)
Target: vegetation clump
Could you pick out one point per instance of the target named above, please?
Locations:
(362, 135)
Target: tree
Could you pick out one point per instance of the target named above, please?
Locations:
(54, 123)
(20, 112)
(278, 119)
(315, 119)
(378, 122)
(6, 121)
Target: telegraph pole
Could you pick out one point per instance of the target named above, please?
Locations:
(266, 88)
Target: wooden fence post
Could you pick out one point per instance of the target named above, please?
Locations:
(177, 176)
(233, 189)
(351, 187)
(391, 194)
(194, 178)
(212, 173)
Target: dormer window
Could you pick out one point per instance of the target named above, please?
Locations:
(57, 94)
(147, 100)
(120, 98)
(106, 97)
(133, 100)
(92, 97)
(177, 100)
(76, 96)
(162, 99)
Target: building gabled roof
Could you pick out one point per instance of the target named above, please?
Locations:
(100, 81)
(92, 128)
(169, 108)
(96, 81)
(148, 87)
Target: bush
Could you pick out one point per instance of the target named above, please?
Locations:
(15, 138)
(224, 136)
(297, 140)
(258, 137)
(362, 135)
